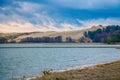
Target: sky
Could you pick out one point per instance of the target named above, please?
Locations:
(57, 15)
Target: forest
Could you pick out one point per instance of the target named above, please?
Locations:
(109, 34)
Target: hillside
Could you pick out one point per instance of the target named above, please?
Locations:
(95, 34)
(109, 34)
(66, 36)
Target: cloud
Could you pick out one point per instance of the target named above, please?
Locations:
(69, 27)
(28, 7)
(22, 12)
(52, 26)
(22, 16)
(15, 27)
(11, 27)
(25, 16)
(87, 4)
(100, 21)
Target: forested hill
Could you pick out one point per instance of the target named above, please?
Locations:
(108, 34)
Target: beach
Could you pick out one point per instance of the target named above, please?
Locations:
(106, 71)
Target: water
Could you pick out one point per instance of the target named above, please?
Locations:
(17, 61)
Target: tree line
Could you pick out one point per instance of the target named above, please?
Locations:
(109, 34)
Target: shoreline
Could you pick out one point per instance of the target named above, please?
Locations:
(84, 66)
(65, 43)
(81, 68)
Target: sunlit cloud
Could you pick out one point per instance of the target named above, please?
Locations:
(17, 27)
(14, 27)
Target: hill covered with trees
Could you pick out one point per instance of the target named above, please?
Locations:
(108, 34)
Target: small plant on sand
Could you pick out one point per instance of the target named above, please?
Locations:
(46, 72)
(13, 79)
(23, 78)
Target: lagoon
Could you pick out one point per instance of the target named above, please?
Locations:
(17, 60)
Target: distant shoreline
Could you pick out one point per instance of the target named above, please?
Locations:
(63, 45)
(67, 43)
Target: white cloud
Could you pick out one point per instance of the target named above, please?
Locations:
(28, 7)
(16, 21)
(104, 22)
(88, 4)
(51, 26)
(68, 26)
(23, 12)
(13, 17)
(17, 27)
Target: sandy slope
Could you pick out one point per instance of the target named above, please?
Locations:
(76, 34)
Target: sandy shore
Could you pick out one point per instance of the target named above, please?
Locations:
(107, 71)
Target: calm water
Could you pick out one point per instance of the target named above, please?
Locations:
(32, 61)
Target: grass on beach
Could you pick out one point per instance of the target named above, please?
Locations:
(108, 71)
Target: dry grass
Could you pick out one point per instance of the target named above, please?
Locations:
(109, 71)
